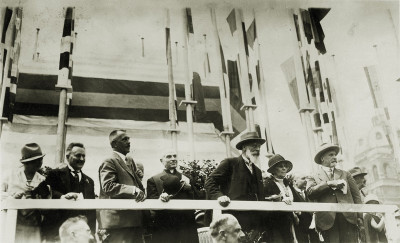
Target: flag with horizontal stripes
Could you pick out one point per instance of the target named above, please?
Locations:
(231, 19)
(66, 51)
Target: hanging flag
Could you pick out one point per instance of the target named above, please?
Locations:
(316, 15)
(328, 90)
(288, 69)
(67, 46)
(305, 17)
(318, 81)
(7, 19)
(334, 130)
(234, 82)
(198, 95)
(189, 21)
(222, 57)
(251, 34)
(231, 19)
(296, 24)
(246, 47)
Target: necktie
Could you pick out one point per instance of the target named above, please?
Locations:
(76, 175)
(331, 176)
(250, 166)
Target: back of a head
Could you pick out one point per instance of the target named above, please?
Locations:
(68, 228)
(219, 223)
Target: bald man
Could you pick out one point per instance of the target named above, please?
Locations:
(225, 228)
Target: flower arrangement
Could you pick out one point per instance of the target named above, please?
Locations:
(198, 171)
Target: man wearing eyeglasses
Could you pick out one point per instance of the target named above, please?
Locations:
(239, 179)
(171, 225)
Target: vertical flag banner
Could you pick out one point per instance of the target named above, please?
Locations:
(198, 95)
(289, 71)
(231, 19)
(66, 53)
(251, 34)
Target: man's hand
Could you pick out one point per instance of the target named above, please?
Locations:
(18, 195)
(224, 201)
(275, 197)
(287, 200)
(140, 195)
(164, 197)
(139, 173)
(70, 196)
(336, 184)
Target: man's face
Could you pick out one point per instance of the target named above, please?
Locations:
(361, 181)
(76, 158)
(122, 143)
(81, 232)
(252, 151)
(169, 161)
(301, 183)
(233, 232)
(329, 159)
(34, 165)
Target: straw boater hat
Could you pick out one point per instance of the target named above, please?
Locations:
(325, 147)
(249, 137)
(276, 159)
(31, 151)
(357, 171)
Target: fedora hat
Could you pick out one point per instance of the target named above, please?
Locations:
(247, 138)
(31, 151)
(325, 147)
(357, 171)
(276, 159)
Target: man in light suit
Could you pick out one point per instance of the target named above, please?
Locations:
(239, 179)
(68, 183)
(331, 185)
(119, 180)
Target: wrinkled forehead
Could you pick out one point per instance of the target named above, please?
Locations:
(119, 136)
(168, 152)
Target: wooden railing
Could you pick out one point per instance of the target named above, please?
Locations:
(11, 207)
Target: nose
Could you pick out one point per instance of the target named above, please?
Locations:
(241, 235)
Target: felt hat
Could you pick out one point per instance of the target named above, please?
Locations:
(172, 184)
(31, 151)
(276, 159)
(249, 137)
(357, 171)
(325, 147)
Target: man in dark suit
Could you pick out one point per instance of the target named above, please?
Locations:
(172, 226)
(69, 183)
(239, 179)
(119, 180)
(332, 185)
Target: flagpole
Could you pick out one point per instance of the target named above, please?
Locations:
(263, 89)
(225, 105)
(172, 109)
(305, 108)
(189, 102)
(248, 107)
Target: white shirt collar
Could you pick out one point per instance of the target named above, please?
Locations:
(327, 169)
(72, 169)
(123, 157)
(246, 160)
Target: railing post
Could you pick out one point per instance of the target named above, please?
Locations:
(11, 225)
(391, 226)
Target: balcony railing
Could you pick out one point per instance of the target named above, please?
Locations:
(11, 206)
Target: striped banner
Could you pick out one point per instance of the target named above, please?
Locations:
(66, 51)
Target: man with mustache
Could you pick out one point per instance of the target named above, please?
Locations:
(332, 185)
(239, 179)
(69, 183)
(119, 180)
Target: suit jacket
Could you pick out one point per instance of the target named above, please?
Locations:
(172, 225)
(233, 179)
(319, 191)
(117, 181)
(305, 218)
(60, 184)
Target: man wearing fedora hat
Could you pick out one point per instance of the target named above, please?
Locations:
(332, 185)
(359, 176)
(239, 179)
(70, 183)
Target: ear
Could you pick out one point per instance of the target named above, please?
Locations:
(222, 234)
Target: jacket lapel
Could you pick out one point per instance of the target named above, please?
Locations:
(322, 175)
(123, 165)
(65, 177)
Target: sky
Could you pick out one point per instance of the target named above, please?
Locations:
(109, 45)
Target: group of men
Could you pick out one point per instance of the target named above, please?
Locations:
(234, 179)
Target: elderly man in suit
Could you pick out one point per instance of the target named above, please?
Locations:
(171, 225)
(239, 179)
(69, 183)
(119, 180)
(332, 185)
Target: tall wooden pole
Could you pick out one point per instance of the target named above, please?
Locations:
(172, 109)
(60, 143)
(189, 102)
(244, 74)
(223, 88)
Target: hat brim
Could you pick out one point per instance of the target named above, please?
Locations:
(239, 145)
(318, 156)
(361, 173)
(290, 163)
(32, 158)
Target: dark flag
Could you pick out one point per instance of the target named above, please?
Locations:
(234, 82)
(317, 120)
(251, 34)
(7, 19)
(189, 20)
(318, 81)
(222, 58)
(334, 131)
(200, 112)
(231, 19)
(296, 24)
(328, 90)
(246, 47)
(316, 15)
(305, 17)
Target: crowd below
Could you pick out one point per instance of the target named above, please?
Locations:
(234, 179)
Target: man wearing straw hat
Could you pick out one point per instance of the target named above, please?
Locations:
(332, 185)
(239, 179)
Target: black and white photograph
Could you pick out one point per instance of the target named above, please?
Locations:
(200, 121)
